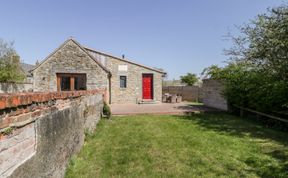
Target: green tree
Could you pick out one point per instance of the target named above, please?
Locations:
(257, 72)
(264, 42)
(10, 69)
(189, 79)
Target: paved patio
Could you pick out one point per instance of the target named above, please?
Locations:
(158, 109)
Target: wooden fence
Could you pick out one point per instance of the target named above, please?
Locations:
(257, 113)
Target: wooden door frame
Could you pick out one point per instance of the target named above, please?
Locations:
(152, 85)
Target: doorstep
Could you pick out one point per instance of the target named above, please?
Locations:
(148, 102)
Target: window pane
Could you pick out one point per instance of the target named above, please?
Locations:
(65, 83)
(80, 82)
(123, 82)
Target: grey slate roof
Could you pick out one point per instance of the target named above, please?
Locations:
(125, 60)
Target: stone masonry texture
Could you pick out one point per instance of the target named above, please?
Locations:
(45, 130)
(15, 87)
(134, 73)
(70, 58)
(133, 92)
(212, 94)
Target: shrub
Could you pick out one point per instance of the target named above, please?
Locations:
(107, 110)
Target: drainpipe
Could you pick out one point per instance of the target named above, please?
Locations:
(109, 78)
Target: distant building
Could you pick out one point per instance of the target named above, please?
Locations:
(26, 68)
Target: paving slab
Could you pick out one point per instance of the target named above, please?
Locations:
(159, 109)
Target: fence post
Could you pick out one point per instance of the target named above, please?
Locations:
(197, 96)
(241, 112)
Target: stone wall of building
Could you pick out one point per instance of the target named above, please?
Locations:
(133, 92)
(72, 58)
(15, 87)
(39, 132)
(213, 94)
(133, 72)
(69, 58)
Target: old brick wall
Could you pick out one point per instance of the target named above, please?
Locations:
(70, 58)
(213, 94)
(41, 131)
(189, 93)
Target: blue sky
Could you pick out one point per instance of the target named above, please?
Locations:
(179, 36)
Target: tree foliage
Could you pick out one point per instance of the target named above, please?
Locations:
(189, 79)
(10, 69)
(257, 72)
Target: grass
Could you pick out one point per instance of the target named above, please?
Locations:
(195, 104)
(204, 145)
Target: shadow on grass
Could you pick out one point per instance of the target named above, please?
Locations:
(238, 127)
(190, 108)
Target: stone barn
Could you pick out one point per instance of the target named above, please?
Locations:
(74, 67)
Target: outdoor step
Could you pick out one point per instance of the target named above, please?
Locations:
(149, 102)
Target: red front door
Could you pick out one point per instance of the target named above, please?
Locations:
(147, 86)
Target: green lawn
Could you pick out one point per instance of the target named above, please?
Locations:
(204, 145)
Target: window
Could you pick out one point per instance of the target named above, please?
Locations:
(123, 82)
(71, 82)
(80, 82)
(65, 83)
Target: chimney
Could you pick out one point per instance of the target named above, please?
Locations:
(123, 56)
